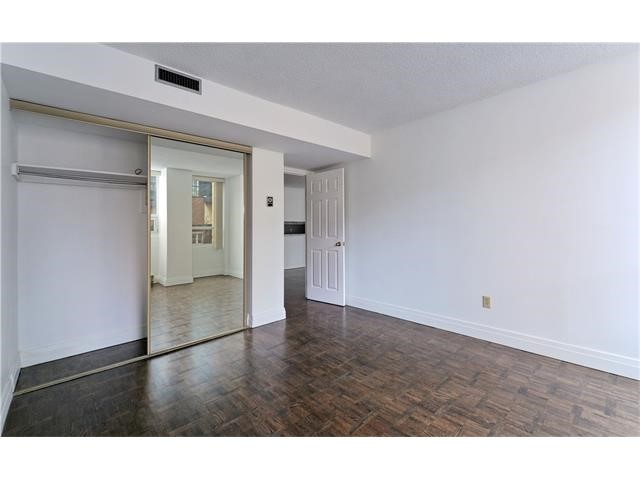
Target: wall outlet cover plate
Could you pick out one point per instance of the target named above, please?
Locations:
(486, 302)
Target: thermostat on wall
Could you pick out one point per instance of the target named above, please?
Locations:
(269, 201)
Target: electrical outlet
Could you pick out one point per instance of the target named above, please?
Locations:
(486, 302)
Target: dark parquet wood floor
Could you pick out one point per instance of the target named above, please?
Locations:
(328, 370)
(68, 366)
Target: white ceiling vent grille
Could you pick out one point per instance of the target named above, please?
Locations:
(177, 79)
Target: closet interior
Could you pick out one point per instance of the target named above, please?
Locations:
(132, 245)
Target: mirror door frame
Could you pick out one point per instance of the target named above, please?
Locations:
(246, 267)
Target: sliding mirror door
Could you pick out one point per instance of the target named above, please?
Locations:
(196, 243)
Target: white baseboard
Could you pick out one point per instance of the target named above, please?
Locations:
(269, 316)
(235, 273)
(290, 267)
(588, 357)
(7, 394)
(210, 273)
(46, 353)
(171, 281)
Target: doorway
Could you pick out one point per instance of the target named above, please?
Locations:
(314, 237)
(294, 239)
(325, 237)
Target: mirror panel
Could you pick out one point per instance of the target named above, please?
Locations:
(196, 243)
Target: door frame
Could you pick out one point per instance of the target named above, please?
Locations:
(246, 267)
(342, 242)
(303, 173)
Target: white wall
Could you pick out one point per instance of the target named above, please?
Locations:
(81, 249)
(234, 226)
(207, 261)
(154, 245)
(294, 251)
(530, 197)
(267, 237)
(294, 198)
(9, 358)
(175, 227)
(294, 211)
(158, 243)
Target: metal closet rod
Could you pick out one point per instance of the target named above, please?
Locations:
(86, 179)
(111, 178)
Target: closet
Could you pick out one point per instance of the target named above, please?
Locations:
(85, 232)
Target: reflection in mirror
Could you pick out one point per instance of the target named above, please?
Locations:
(197, 245)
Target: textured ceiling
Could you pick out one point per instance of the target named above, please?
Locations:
(374, 86)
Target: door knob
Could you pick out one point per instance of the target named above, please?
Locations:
(338, 244)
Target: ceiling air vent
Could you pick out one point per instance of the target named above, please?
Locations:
(176, 79)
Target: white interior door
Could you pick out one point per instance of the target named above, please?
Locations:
(325, 237)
